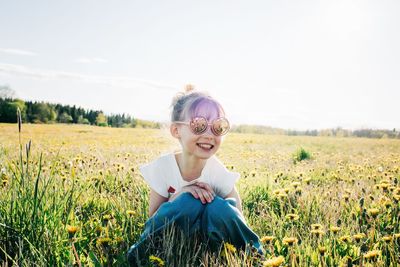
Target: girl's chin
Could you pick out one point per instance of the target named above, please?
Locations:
(204, 153)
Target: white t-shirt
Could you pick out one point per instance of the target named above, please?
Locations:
(164, 177)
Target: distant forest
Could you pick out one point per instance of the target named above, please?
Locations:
(43, 112)
(337, 132)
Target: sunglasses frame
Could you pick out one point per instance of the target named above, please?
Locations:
(209, 124)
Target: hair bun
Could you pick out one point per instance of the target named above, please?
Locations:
(189, 88)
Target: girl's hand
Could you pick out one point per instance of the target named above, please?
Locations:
(200, 190)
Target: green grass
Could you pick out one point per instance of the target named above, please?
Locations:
(87, 177)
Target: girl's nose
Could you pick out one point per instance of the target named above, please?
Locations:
(208, 132)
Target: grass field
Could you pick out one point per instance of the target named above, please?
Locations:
(74, 196)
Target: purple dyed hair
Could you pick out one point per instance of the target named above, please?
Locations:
(193, 104)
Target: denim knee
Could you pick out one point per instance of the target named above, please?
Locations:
(219, 213)
(187, 205)
(185, 211)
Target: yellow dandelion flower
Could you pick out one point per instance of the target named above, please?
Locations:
(385, 181)
(317, 232)
(72, 230)
(322, 250)
(106, 218)
(345, 239)
(274, 262)
(373, 212)
(276, 192)
(387, 238)
(267, 239)
(130, 212)
(296, 184)
(229, 247)
(156, 260)
(335, 229)
(359, 236)
(289, 241)
(372, 255)
(316, 226)
(98, 229)
(292, 216)
(396, 236)
(282, 195)
(384, 186)
(104, 241)
(286, 190)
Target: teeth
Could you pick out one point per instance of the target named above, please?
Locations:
(205, 146)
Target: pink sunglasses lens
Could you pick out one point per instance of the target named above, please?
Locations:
(220, 126)
(198, 125)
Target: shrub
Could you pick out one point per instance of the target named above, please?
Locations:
(301, 154)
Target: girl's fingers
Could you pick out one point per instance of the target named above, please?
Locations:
(200, 194)
(206, 186)
(194, 193)
(207, 195)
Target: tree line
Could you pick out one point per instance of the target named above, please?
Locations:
(43, 112)
(336, 132)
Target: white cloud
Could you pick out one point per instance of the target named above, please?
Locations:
(115, 81)
(19, 52)
(86, 60)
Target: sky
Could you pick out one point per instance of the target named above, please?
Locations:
(289, 64)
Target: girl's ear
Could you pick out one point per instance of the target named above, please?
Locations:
(174, 130)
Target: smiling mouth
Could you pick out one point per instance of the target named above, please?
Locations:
(205, 146)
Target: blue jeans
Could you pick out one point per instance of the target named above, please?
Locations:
(217, 221)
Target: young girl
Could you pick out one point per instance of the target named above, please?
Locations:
(191, 188)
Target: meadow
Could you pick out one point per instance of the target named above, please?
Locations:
(71, 195)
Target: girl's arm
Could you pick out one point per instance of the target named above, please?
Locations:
(235, 195)
(155, 201)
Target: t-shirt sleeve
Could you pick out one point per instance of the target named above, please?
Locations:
(153, 175)
(224, 179)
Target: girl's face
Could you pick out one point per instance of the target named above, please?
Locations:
(202, 146)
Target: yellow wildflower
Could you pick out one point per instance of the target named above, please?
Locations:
(322, 250)
(104, 241)
(335, 229)
(289, 241)
(372, 255)
(229, 247)
(130, 212)
(72, 230)
(292, 216)
(274, 262)
(267, 239)
(387, 238)
(358, 237)
(317, 233)
(316, 226)
(296, 184)
(345, 238)
(373, 212)
(156, 260)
